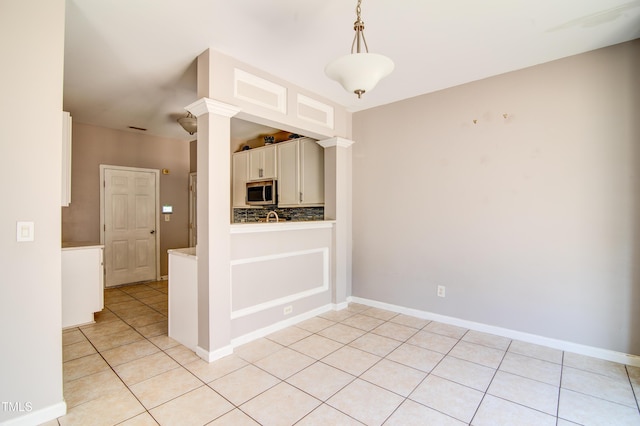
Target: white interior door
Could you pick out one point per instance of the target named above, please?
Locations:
(130, 237)
(193, 209)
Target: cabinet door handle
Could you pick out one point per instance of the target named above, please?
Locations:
(301, 197)
(260, 172)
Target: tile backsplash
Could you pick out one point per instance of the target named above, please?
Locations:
(296, 214)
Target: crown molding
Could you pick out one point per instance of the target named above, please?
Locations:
(206, 105)
(336, 141)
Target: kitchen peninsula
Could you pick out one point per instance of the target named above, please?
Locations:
(279, 271)
(257, 278)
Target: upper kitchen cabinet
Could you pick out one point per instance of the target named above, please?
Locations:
(300, 173)
(262, 163)
(240, 171)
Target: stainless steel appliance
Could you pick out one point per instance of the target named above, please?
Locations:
(262, 193)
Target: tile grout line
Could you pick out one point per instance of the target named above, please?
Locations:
(366, 332)
(116, 374)
(112, 367)
(370, 332)
(316, 361)
(633, 390)
(560, 388)
(435, 375)
(320, 361)
(490, 382)
(602, 375)
(180, 365)
(405, 398)
(428, 373)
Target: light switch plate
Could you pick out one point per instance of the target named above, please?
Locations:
(24, 232)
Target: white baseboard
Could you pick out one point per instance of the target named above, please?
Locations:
(254, 335)
(591, 351)
(40, 416)
(257, 334)
(214, 355)
(340, 306)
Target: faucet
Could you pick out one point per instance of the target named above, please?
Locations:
(274, 213)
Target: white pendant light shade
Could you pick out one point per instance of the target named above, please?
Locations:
(359, 72)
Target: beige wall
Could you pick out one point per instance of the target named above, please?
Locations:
(32, 52)
(93, 146)
(531, 222)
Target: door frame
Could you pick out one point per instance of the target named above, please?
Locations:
(156, 173)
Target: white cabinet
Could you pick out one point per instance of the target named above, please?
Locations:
(288, 191)
(183, 297)
(82, 284)
(262, 163)
(300, 173)
(240, 169)
(311, 172)
(255, 164)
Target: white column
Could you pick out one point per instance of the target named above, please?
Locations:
(213, 248)
(338, 202)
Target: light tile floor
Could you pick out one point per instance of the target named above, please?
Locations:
(357, 366)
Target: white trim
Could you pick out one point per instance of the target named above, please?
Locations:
(212, 356)
(67, 124)
(82, 324)
(287, 299)
(206, 105)
(104, 167)
(250, 228)
(268, 86)
(323, 250)
(257, 334)
(340, 306)
(40, 416)
(336, 141)
(193, 202)
(563, 345)
(317, 105)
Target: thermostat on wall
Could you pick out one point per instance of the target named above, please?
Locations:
(167, 209)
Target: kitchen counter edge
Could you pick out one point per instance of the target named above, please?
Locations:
(252, 227)
(71, 245)
(189, 252)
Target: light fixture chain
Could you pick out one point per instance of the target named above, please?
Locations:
(358, 26)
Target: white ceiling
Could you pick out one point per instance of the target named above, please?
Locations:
(132, 62)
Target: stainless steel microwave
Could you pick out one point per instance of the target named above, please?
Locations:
(262, 193)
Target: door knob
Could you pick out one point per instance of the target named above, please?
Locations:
(153, 231)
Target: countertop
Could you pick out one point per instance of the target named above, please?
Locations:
(76, 245)
(251, 227)
(189, 252)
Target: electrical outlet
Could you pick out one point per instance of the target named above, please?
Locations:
(441, 291)
(288, 309)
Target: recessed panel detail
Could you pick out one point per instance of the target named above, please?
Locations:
(259, 91)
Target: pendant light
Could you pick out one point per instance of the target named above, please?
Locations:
(189, 123)
(359, 72)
